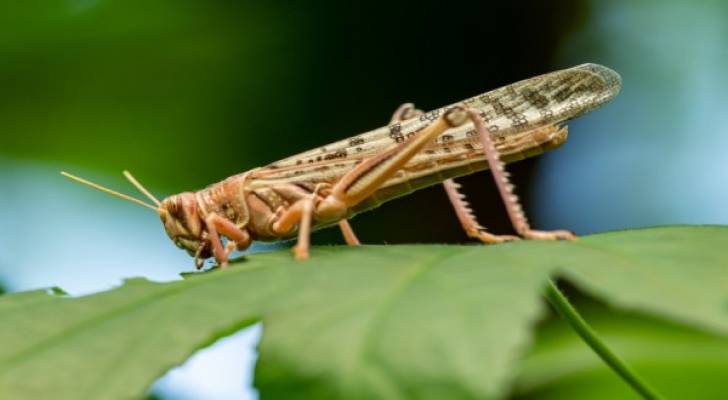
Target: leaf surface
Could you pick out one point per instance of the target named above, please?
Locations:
(403, 322)
(680, 272)
(406, 321)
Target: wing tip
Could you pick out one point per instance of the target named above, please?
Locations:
(611, 78)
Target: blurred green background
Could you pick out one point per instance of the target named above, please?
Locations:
(185, 93)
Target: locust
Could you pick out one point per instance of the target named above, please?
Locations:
(329, 185)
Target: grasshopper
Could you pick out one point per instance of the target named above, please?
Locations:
(329, 185)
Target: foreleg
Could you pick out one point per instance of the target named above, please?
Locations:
(217, 225)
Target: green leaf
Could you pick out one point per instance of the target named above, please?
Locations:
(368, 322)
(114, 344)
(403, 322)
(680, 273)
(348, 307)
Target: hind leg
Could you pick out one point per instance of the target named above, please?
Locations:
(513, 206)
(359, 183)
(462, 209)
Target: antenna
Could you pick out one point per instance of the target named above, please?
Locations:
(141, 188)
(107, 190)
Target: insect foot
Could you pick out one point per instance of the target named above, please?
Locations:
(549, 235)
(489, 238)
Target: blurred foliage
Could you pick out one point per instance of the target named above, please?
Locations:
(153, 86)
(655, 155)
(682, 362)
(185, 93)
(367, 321)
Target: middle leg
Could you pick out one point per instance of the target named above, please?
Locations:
(301, 214)
(348, 233)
